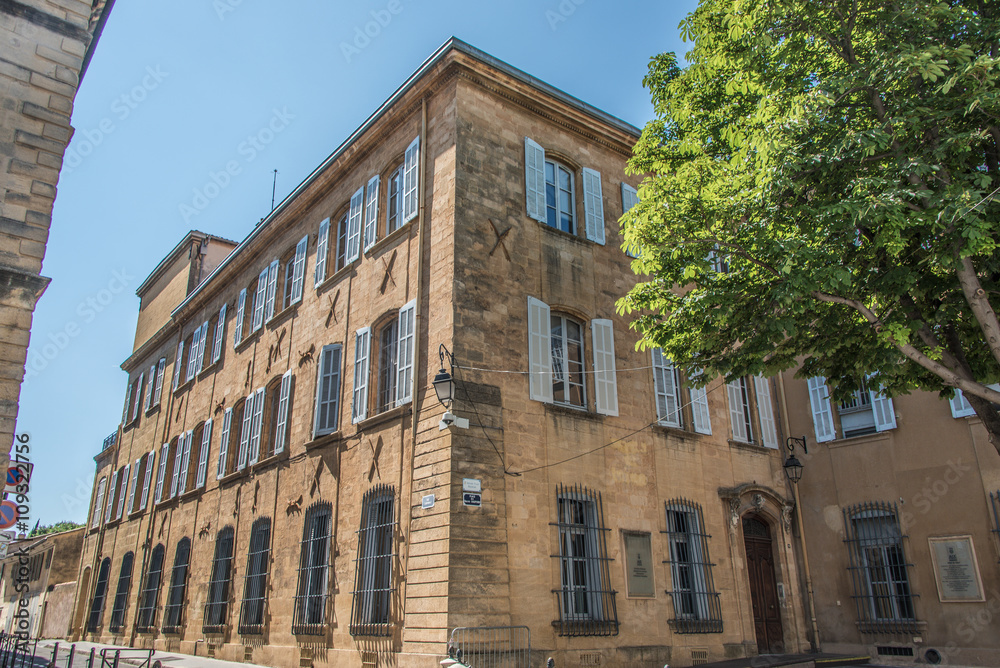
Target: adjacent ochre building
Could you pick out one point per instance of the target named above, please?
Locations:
(47, 45)
(286, 489)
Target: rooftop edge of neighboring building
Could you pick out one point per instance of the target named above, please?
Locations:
(175, 253)
(452, 44)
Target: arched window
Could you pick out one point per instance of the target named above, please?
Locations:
(314, 564)
(255, 582)
(150, 591)
(121, 595)
(371, 611)
(100, 591)
(218, 586)
(178, 583)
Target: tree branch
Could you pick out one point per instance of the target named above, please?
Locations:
(980, 304)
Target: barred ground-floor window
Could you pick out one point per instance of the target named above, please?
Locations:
(371, 611)
(217, 607)
(314, 566)
(696, 603)
(150, 591)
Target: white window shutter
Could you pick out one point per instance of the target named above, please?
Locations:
(161, 472)
(124, 493)
(160, 368)
(206, 445)
(411, 195)
(112, 489)
(819, 400)
(405, 352)
(138, 390)
(241, 462)
(192, 358)
(282, 421)
(629, 199)
(299, 269)
(960, 406)
(321, 250)
(147, 479)
(359, 400)
(95, 517)
(534, 179)
(175, 474)
(593, 205)
(128, 401)
(255, 428)
(699, 410)
(147, 401)
(371, 212)
(605, 377)
(227, 420)
(201, 347)
(734, 390)
(885, 417)
(272, 287)
(258, 300)
(667, 393)
(184, 448)
(241, 304)
(765, 411)
(354, 218)
(539, 351)
(220, 335)
(178, 363)
(135, 483)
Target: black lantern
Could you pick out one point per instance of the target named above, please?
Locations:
(444, 381)
(792, 466)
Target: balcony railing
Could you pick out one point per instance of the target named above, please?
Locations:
(110, 441)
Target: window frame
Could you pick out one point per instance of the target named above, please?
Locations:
(696, 602)
(254, 604)
(173, 611)
(564, 319)
(374, 576)
(309, 615)
(149, 595)
(328, 385)
(100, 596)
(120, 604)
(214, 618)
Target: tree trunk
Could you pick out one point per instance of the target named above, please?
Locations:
(987, 412)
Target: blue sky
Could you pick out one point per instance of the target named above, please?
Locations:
(174, 93)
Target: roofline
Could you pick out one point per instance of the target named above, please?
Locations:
(98, 30)
(453, 43)
(162, 265)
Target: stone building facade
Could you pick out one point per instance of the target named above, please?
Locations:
(38, 584)
(283, 488)
(47, 45)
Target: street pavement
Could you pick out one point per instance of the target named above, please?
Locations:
(130, 657)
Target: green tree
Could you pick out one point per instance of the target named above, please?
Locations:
(843, 159)
(53, 528)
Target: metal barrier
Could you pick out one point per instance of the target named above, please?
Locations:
(491, 646)
(22, 652)
(111, 657)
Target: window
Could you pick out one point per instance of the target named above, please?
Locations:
(251, 303)
(586, 600)
(161, 471)
(696, 603)
(123, 479)
(219, 334)
(182, 457)
(228, 444)
(196, 355)
(314, 563)
(340, 259)
(265, 420)
(878, 568)
(253, 412)
(393, 376)
(199, 442)
(960, 406)
(154, 388)
(133, 399)
(557, 359)
(147, 479)
(112, 490)
(134, 486)
(371, 609)
(290, 270)
(551, 197)
(864, 411)
(388, 343)
(749, 426)
(669, 398)
(254, 584)
(629, 199)
(327, 417)
(95, 516)
(204, 449)
(394, 201)
(146, 620)
(121, 596)
(178, 583)
(100, 592)
(218, 586)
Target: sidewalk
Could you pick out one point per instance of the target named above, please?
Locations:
(130, 656)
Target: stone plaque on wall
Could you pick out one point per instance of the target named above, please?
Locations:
(956, 569)
(639, 565)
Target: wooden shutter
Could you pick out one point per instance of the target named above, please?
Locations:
(960, 406)
(819, 400)
(178, 457)
(534, 179)
(161, 472)
(283, 400)
(192, 361)
(201, 347)
(220, 335)
(539, 351)
(206, 445)
(135, 483)
(147, 402)
(737, 407)
(112, 488)
(359, 400)
(123, 493)
(667, 393)
(299, 269)
(699, 409)
(605, 377)
(128, 401)
(593, 205)
(354, 218)
(95, 518)
(272, 287)
(371, 212)
(404, 356)
(160, 368)
(328, 377)
(147, 479)
(185, 463)
(885, 417)
(765, 411)
(241, 303)
(255, 428)
(629, 199)
(411, 194)
(138, 390)
(227, 420)
(178, 363)
(322, 247)
(258, 300)
(241, 462)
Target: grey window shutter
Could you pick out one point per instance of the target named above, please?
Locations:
(411, 195)
(605, 377)
(322, 247)
(534, 179)
(272, 286)
(282, 421)
(241, 303)
(227, 420)
(819, 400)
(404, 355)
(299, 268)
(371, 212)
(354, 218)
(593, 205)
(539, 351)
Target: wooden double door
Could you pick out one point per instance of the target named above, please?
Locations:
(763, 586)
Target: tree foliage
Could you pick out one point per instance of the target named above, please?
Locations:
(53, 528)
(843, 158)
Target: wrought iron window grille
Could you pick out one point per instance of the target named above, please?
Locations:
(255, 581)
(314, 566)
(217, 607)
(117, 620)
(371, 610)
(173, 612)
(995, 506)
(100, 593)
(697, 606)
(146, 621)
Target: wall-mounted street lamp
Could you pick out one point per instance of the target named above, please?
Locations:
(444, 387)
(792, 465)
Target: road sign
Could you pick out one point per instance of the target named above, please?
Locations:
(472, 499)
(8, 514)
(17, 474)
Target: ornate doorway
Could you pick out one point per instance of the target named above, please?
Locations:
(763, 588)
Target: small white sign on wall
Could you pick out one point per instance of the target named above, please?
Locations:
(427, 501)
(472, 485)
